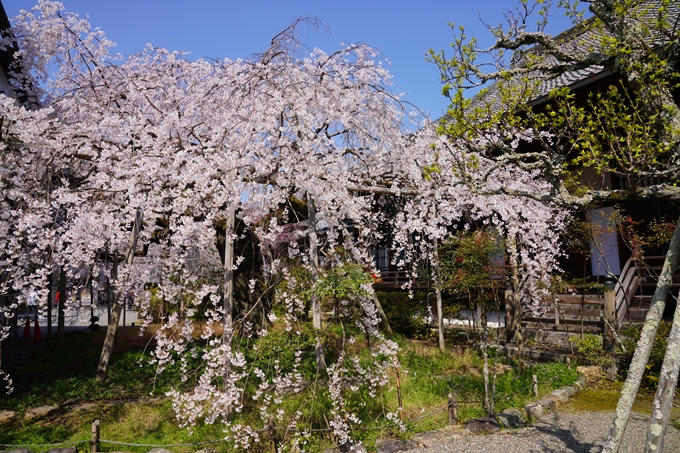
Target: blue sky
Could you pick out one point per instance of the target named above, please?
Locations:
(402, 30)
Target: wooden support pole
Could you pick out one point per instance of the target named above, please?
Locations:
(94, 440)
(644, 347)
(399, 400)
(668, 378)
(609, 313)
(534, 379)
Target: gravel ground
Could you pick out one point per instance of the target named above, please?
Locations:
(560, 432)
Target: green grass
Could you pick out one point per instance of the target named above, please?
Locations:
(55, 376)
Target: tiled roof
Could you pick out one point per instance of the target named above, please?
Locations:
(578, 39)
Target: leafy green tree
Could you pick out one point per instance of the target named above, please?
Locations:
(630, 128)
(471, 267)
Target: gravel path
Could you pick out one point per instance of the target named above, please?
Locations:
(560, 432)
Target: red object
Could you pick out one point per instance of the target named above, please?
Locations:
(56, 298)
(27, 329)
(37, 334)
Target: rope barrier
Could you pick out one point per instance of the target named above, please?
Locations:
(205, 442)
(75, 442)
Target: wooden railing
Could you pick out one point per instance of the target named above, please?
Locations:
(396, 280)
(625, 289)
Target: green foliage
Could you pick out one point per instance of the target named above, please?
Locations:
(590, 351)
(298, 282)
(404, 314)
(631, 335)
(468, 271)
(347, 281)
(278, 348)
(553, 374)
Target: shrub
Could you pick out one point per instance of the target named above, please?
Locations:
(590, 351)
(553, 374)
(404, 314)
(631, 334)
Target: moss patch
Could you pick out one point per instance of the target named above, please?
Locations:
(605, 397)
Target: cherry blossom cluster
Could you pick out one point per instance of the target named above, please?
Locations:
(188, 142)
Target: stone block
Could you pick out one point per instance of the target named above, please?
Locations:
(592, 374)
(561, 394)
(511, 420)
(512, 411)
(571, 390)
(395, 445)
(482, 425)
(7, 416)
(549, 402)
(36, 413)
(534, 411)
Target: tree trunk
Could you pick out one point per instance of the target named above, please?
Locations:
(438, 293)
(644, 346)
(665, 392)
(381, 313)
(112, 329)
(314, 268)
(509, 312)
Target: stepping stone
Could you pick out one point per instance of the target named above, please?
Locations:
(483, 425)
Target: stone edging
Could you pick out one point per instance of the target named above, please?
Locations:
(550, 401)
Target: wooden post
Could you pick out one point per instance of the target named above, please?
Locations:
(557, 313)
(534, 379)
(568, 362)
(451, 418)
(399, 401)
(94, 440)
(609, 313)
(271, 434)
